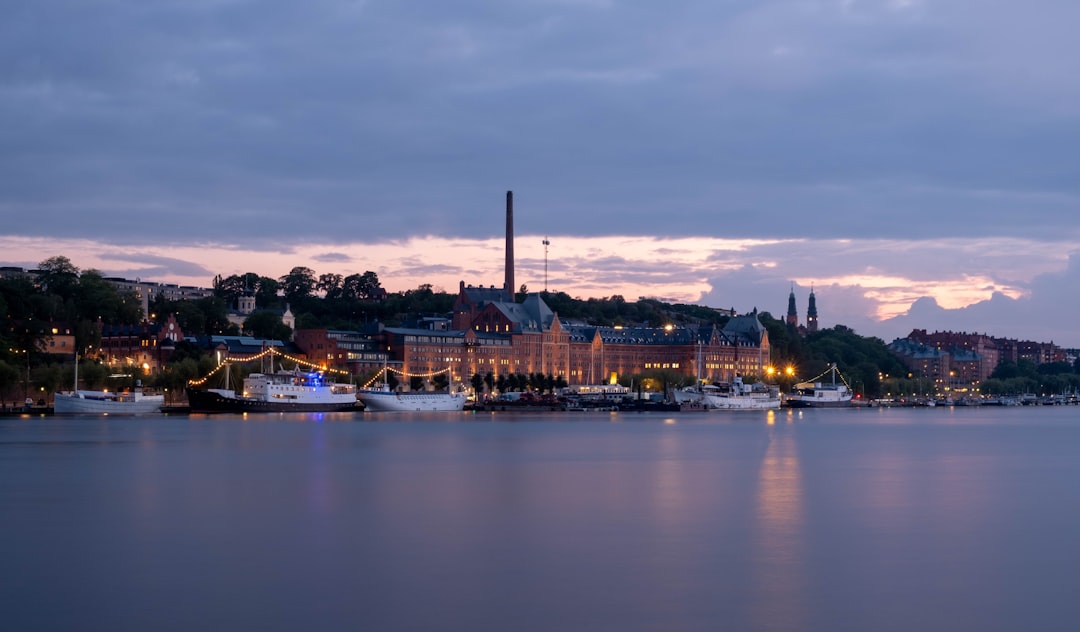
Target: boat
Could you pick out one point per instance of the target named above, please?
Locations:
(739, 396)
(695, 394)
(87, 402)
(734, 395)
(817, 394)
(383, 399)
(281, 392)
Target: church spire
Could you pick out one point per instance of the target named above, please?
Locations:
(811, 312)
(792, 314)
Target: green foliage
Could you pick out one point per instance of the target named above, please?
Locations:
(9, 379)
(298, 284)
(859, 359)
(1018, 378)
(267, 324)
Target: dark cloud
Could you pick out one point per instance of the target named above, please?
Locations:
(265, 125)
(333, 257)
(269, 120)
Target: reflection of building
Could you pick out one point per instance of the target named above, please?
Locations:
(147, 345)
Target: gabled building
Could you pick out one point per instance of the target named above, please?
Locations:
(147, 345)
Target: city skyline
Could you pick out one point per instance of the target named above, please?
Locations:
(911, 160)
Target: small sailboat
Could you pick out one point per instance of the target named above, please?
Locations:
(85, 402)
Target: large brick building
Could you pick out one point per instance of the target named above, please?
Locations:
(500, 337)
(146, 344)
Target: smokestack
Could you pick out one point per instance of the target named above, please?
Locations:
(509, 282)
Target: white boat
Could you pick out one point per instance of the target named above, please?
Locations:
(816, 394)
(283, 391)
(740, 396)
(106, 403)
(79, 402)
(735, 395)
(694, 394)
(383, 399)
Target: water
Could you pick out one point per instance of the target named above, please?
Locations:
(896, 519)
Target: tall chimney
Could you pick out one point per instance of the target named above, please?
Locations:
(509, 282)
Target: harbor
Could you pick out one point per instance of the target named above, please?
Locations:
(811, 519)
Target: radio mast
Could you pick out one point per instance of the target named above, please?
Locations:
(546, 244)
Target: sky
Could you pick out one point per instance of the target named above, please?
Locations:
(914, 162)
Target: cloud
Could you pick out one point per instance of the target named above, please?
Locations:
(883, 151)
(1042, 314)
(332, 257)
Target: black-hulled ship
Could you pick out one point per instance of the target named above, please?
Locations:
(284, 391)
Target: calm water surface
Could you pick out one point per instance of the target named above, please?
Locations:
(965, 519)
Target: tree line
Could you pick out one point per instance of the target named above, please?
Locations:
(63, 293)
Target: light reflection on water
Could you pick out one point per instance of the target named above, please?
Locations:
(786, 520)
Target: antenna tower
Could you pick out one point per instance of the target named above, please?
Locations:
(546, 244)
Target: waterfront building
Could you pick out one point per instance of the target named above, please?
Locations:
(357, 352)
(146, 345)
(980, 361)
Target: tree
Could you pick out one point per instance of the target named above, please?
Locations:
(298, 284)
(58, 276)
(267, 324)
(97, 298)
(266, 293)
(330, 284)
(216, 314)
(477, 382)
(9, 377)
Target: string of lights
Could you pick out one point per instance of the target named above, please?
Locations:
(831, 368)
(382, 371)
(259, 356)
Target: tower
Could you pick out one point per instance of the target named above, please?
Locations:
(792, 314)
(508, 284)
(546, 244)
(811, 313)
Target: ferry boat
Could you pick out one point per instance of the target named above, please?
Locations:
(85, 402)
(816, 394)
(280, 392)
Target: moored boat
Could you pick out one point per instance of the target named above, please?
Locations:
(382, 399)
(106, 403)
(734, 395)
(817, 394)
(87, 402)
(281, 392)
(740, 396)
